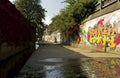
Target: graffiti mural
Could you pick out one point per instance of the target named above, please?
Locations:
(103, 31)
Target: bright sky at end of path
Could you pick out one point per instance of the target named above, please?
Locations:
(52, 7)
(11, 0)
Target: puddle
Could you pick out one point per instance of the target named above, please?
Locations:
(73, 68)
(58, 60)
(52, 60)
(53, 71)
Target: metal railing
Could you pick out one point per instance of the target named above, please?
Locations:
(104, 3)
(98, 6)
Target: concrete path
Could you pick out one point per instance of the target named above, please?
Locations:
(53, 61)
(56, 61)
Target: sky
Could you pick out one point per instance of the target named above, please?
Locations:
(52, 7)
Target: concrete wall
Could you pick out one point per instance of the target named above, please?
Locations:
(13, 59)
(15, 43)
(112, 6)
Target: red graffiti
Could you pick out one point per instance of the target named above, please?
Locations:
(88, 37)
(117, 40)
(100, 22)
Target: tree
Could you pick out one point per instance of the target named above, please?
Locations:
(34, 12)
(80, 9)
(68, 20)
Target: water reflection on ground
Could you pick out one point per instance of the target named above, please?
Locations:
(102, 67)
(72, 68)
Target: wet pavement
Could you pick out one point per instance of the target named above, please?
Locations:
(54, 61)
(53, 68)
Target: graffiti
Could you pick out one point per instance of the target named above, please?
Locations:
(103, 35)
(103, 68)
(84, 35)
(103, 31)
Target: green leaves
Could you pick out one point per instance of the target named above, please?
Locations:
(67, 22)
(76, 10)
(81, 9)
(31, 9)
(34, 12)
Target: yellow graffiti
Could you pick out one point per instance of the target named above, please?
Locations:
(104, 34)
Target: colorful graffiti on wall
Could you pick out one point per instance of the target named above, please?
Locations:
(103, 31)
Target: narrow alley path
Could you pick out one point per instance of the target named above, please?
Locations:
(55, 61)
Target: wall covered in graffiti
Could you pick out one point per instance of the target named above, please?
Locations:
(102, 31)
